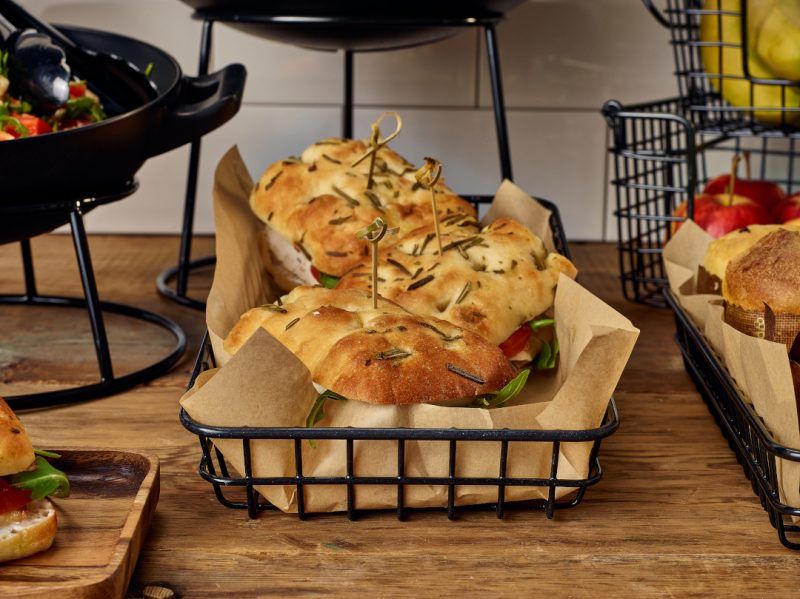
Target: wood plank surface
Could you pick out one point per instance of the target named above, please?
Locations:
(101, 528)
(673, 515)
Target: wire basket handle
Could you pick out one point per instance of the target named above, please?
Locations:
(650, 5)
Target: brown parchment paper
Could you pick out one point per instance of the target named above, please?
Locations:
(760, 367)
(265, 385)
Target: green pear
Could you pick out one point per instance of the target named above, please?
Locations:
(728, 61)
(778, 40)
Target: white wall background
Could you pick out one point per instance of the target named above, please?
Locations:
(561, 60)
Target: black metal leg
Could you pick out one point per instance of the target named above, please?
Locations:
(347, 108)
(27, 268)
(187, 231)
(90, 293)
(498, 101)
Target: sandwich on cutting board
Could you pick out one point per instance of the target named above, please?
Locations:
(28, 520)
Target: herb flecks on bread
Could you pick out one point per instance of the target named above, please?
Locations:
(319, 200)
(383, 356)
(489, 280)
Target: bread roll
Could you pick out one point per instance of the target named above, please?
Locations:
(319, 201)
(768, 273)
(488, 280)
(383, 356)
(27, 531)
(726, 248)
(16, 450)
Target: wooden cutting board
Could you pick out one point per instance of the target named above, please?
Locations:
(101, 528)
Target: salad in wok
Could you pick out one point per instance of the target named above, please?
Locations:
(19, 118)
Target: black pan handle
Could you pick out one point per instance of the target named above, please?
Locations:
(203, 104)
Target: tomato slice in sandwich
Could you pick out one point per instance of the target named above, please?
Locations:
(517, 342)
(12, 499)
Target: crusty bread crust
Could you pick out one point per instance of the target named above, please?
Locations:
(721, 251)
(28, 531)
(320, 201)
(769, 273)
(16, 451)
(490, 281)
(383, 356)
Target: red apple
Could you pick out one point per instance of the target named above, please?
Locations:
(721, 213)
(764, 193)
(789, 210)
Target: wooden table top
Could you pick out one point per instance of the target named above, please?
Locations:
(672, 515)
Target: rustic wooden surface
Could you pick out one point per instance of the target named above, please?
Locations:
(673, 514)
(101, 528)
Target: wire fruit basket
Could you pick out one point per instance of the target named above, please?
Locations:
(238, 491)
(732, 65)
(659, 160)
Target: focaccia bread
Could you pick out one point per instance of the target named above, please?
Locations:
(315, 204)
(490, 281)
(383, 356)
(726, 248)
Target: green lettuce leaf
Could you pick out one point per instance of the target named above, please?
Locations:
(44, 481)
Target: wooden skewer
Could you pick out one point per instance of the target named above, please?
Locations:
(373, 233)
(376, 143)
(428, 176)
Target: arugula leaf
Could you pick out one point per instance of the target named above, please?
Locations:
(507, 393)
(45, 481)
(547, 357)
(46, 454)
(328, 281)
(541, 323)
(317, 413)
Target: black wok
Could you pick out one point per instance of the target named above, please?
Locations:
(359, 25)
(100, 158)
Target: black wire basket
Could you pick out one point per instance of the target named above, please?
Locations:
(661, 159)
(731, 76)
(755, 448)
(238, 490)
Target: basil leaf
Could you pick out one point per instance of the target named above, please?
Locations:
(328, 281)
(507, 393)
(46, 454)
(45, 481)
(541, 323)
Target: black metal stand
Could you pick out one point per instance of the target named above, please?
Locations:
(109, 383)
(185, 265)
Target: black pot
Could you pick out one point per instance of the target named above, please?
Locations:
(359, 25)
(98, 159)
